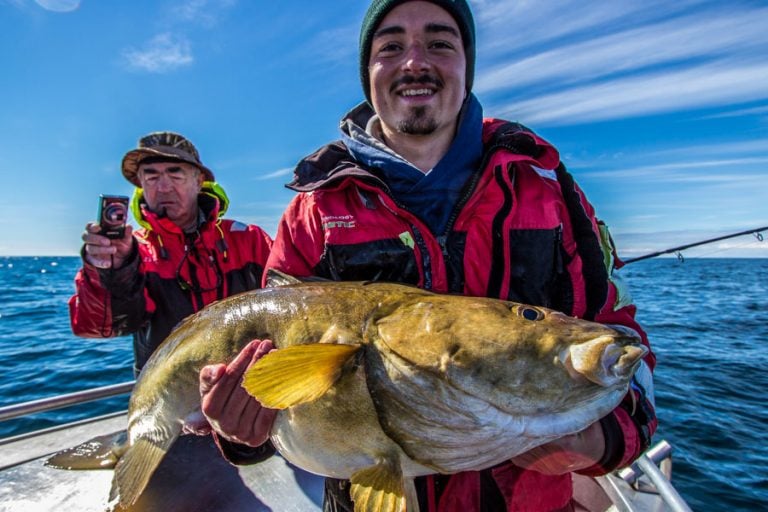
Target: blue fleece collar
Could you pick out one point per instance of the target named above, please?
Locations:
(433, 196)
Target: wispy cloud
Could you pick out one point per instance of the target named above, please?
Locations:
(756, 111)
(48, 5)
(280, 173)
(720, 83)
(742, 147)
(59, 5)
(336, 46)
(202, 12)
(735, 166)
(651, 61)
(514, 25)
(168, 50)
(692, 37)
(165, 52)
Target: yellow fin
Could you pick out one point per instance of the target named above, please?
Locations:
(134, 469)
(378, 489)
(297, 374)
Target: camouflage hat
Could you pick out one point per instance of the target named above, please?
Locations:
(168, 145)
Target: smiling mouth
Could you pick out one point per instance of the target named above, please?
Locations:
(409, 93)
(409, 86)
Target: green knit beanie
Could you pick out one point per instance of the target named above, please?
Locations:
(378, 9)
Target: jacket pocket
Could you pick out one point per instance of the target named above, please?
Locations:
(379, 260)
(538, 269)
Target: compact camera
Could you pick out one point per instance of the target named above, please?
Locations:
(113, 214)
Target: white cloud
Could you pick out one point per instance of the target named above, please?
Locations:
(511, 25)
(561, 63)
(698, 36)
(165, 52)
(59, 5)
(720, 83)
(202, 12)
(287, 171)
(742, 147)
(758, 111)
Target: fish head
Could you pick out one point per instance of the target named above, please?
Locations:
(520, 357)
(463, 383)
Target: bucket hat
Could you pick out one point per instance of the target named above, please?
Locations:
(170, 145)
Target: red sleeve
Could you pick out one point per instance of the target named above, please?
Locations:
(109, 303)
(89, 308)
(300, 239)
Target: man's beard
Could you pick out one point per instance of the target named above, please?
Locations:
(417, 123)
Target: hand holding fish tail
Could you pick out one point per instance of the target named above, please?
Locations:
(567, 454)
(231, 412)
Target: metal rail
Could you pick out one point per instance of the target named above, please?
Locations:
(57, 402)
(663, 485)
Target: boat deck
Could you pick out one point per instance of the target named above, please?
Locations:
(193, 477)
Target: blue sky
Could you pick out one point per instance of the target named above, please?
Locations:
(660, 109)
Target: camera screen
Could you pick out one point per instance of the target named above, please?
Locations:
(114, 214)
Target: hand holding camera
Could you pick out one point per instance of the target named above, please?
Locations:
(108, 243)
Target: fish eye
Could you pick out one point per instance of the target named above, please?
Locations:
(530, 313)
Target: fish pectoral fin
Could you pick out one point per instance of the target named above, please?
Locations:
(101, 452)
(297, 374)
(378, 488)
(134, 469)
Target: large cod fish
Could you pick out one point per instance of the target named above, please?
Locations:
(380, 382)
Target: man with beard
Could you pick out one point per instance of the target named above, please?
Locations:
(185, 256)
(422, 190)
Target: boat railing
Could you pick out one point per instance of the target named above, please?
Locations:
(57, 402)
(650, 473)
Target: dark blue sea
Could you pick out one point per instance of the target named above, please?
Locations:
(707, 320)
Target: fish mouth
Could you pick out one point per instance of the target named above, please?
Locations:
(606, 360)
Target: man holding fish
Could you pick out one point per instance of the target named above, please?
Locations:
(421, 189)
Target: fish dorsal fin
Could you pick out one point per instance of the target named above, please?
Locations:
(276, 278)
(378, 488)
(135, 467)
(297, 374)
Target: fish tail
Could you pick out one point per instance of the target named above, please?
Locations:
(297, 374)
(134, 469)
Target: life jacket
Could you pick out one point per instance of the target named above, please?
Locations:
(522, 231)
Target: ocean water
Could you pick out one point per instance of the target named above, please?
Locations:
(707, 320)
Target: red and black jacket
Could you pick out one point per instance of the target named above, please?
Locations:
(170, 275)
(522, 231)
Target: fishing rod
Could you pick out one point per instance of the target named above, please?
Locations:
(756, 232)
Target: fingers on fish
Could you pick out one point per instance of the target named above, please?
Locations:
(379, 488)
(297, 374)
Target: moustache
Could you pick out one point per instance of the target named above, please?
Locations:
(421, 80)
